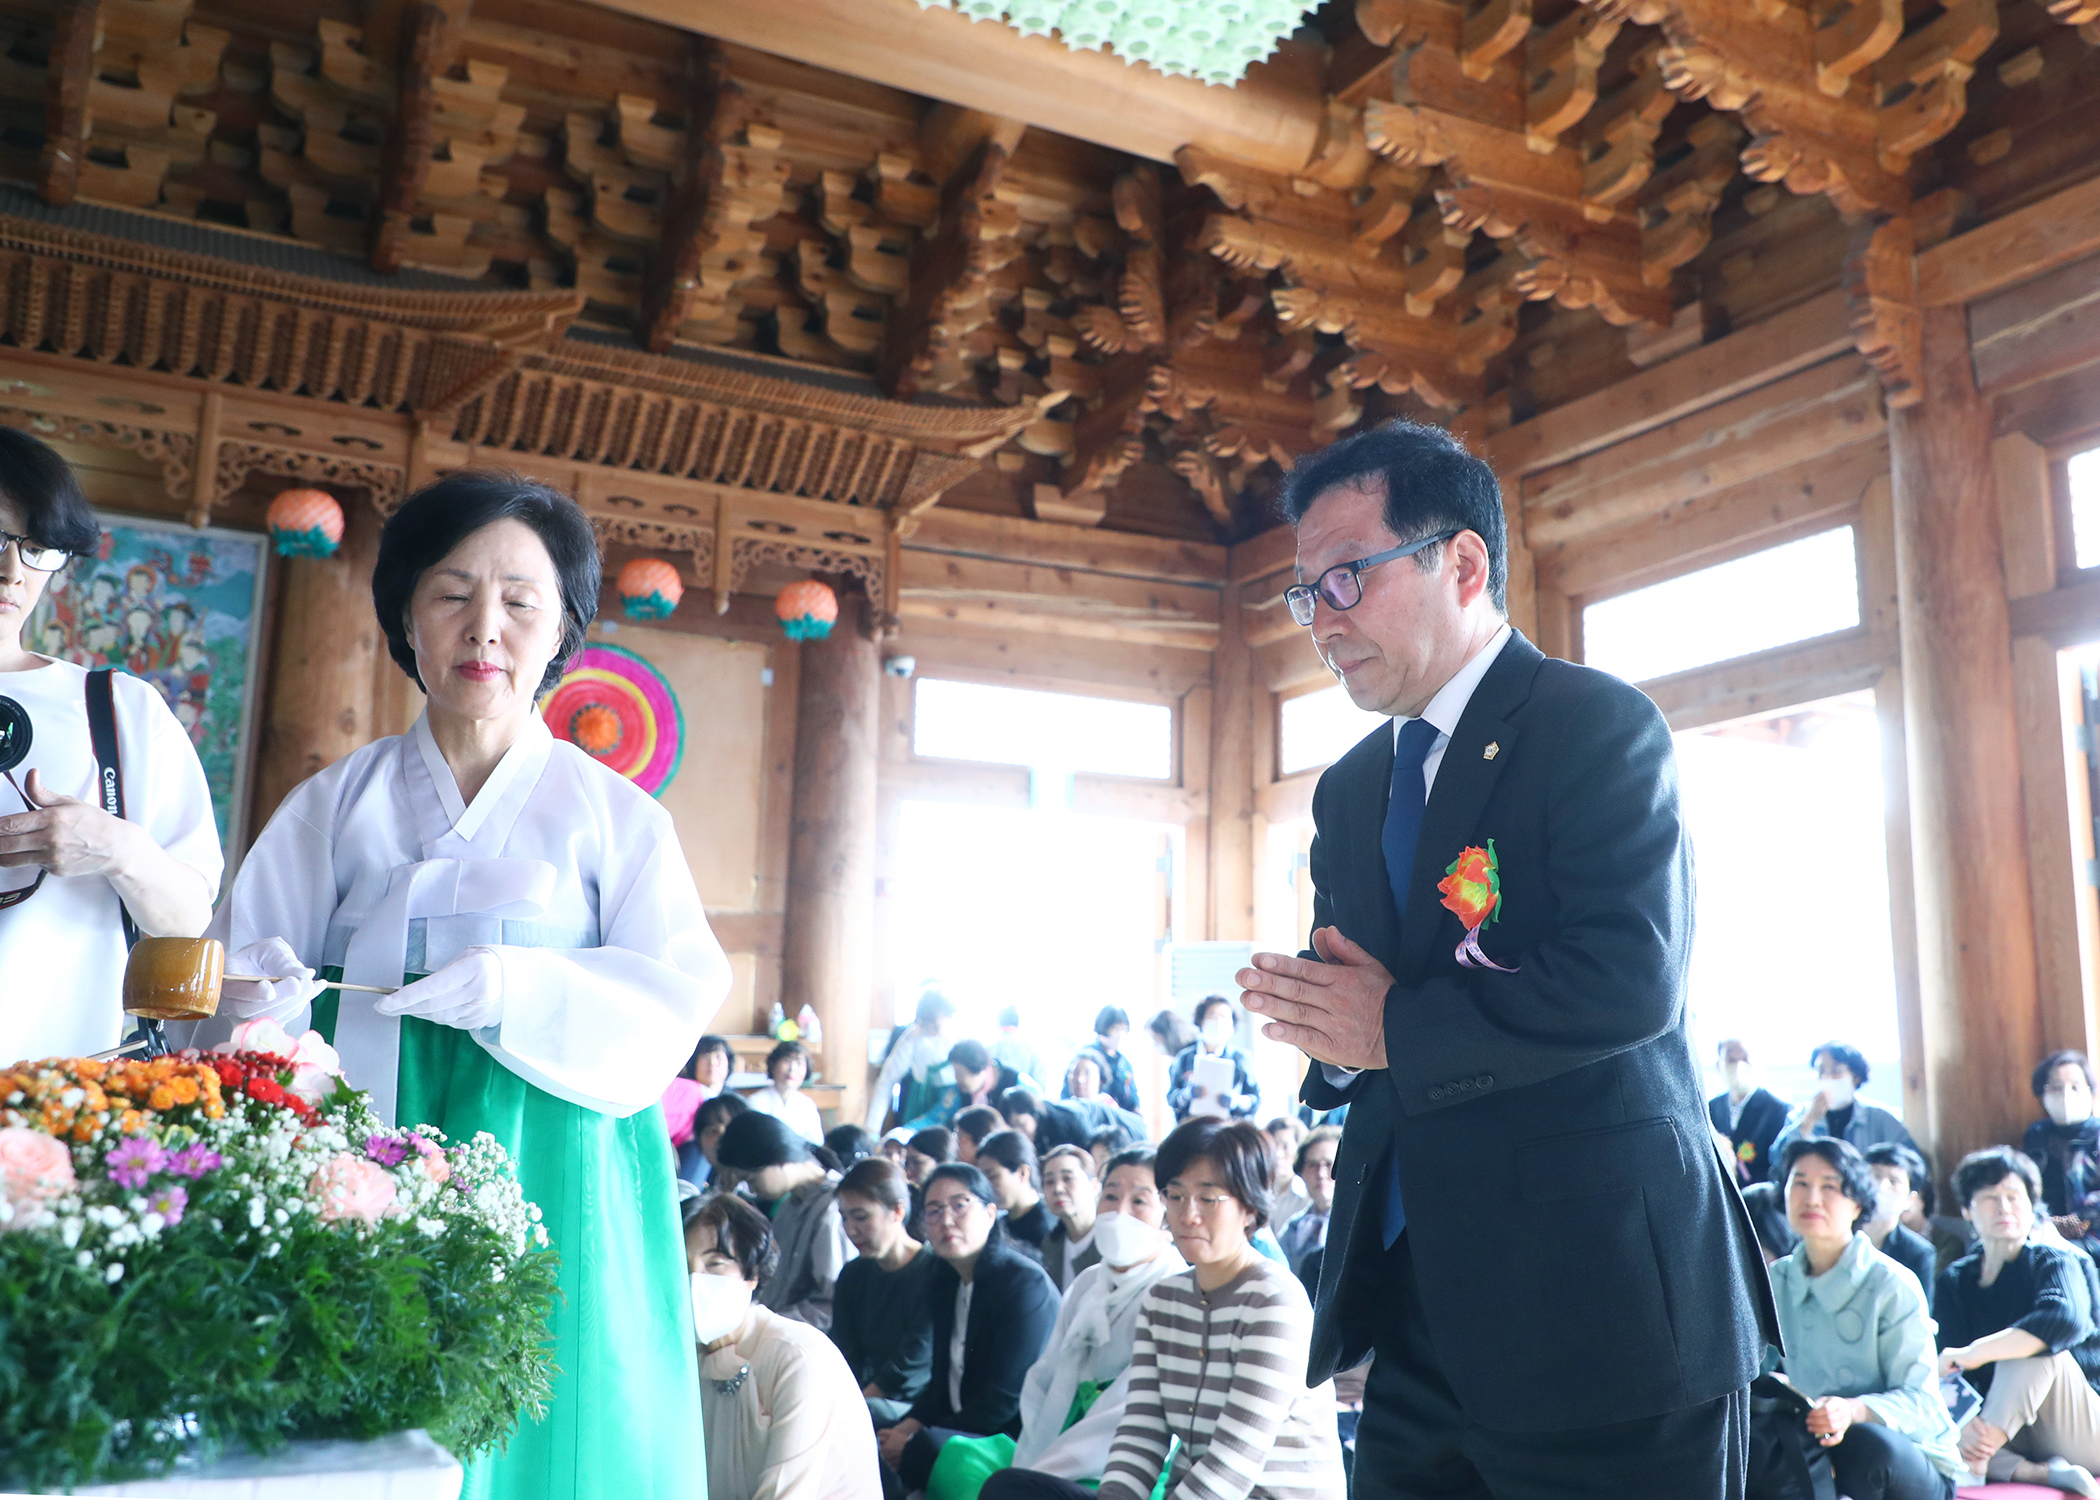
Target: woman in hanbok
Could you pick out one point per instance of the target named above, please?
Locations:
(557, 961)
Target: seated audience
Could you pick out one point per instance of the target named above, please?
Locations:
(1290, 1198)
(979, 1078)
(797, 1186)
(1835, 1108)
(2065, 1144)
(1215, 1022)
(1069, 1190)
(696, 1161)
(1170, 1032)
(879, 1316)
(705, 1073)
(971, 1127)
(1302, 1235)
(1895, 1169)
(1219, 1358)
(1075, 1395)
(1858, 1337)
(849, 1143)
(2017, 1314)
(1066, 1122)
(1111, 1031)
(1104, 1144)
(1952, 1237)
(1086, 1074)
(1767, 1205)
(993, 1309)
(787, 1065)
(1016, 1049)
(915, 1068)
(779, 1411)
(1008, 1162)
(926, 1150)
(894, 1145)
(1750, 1116)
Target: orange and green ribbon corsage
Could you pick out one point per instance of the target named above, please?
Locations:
(1472, 888)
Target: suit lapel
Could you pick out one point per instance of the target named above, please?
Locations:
(1464, 780)
(1373, 788)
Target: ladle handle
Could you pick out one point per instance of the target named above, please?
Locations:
(368, 989)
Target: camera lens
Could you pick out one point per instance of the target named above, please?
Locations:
(14, 734)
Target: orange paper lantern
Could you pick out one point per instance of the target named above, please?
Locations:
(649, 589)
(305, 523)
(807, 610)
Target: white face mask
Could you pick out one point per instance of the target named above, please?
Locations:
(1838, 1091)
(1738, 1077)
(2068, 1109)
(1123, 1240)
(1218, 1033)
(720, 1304)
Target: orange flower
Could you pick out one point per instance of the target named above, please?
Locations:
(1472, 887)
(162, 1097)
(131, 1122)
(183, 1090)
(87, 1067)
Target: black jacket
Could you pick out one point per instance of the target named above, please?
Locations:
(1562, 1094)
(1072, 1122)
(1013, 1309)
(1764, 1113)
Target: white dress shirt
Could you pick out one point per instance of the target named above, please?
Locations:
(1444, 711)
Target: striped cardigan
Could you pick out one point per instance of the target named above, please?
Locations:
(1224, 1371)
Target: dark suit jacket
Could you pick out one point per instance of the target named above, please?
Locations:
(1013, 1311)
(1764, 1112)
(1554, 1108)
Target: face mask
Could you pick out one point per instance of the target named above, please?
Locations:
(720, 1304)
(1123, 1240)
(1217, 1034)
(1737, 1077)
(1838, 1091)
(2066, 1110)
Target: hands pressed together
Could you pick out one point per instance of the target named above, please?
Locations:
(1332, 1011)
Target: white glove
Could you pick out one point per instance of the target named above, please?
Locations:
(286, 986)
(467, 993)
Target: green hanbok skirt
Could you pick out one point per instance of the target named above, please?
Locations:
(624, 1420)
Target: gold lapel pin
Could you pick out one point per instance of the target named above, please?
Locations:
(1494, 749)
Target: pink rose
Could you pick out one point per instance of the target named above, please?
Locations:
(350, 1188)
(435, 1167)
(33, 1166)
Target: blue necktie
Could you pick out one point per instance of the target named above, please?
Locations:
(1403, 829)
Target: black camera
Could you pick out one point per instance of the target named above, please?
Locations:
(14, 734)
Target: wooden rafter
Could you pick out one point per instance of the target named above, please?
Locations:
(411, 139)
(65, 99)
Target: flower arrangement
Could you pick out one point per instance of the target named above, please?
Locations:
(229, 1249)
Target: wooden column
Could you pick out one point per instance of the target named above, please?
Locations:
(829, 944)
(322, 662)
(1232, 851)
(1982, 1027)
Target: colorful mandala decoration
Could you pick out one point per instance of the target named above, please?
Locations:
(305, 523)
(616, 708)
(1214, 40)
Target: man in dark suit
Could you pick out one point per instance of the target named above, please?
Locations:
(1748, 1115)
(1532, 1229)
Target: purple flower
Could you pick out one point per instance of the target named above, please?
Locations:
(387, 1150)
(134, 1160)
(193, 1161)
(169, 1203)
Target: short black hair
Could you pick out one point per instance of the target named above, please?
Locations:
(1430, 485)
(438, 517)
(707, 1044)
(54, 510)
(719, 1110)
(1209, 1003)
(1012, 1150)
(936, 1141)
(1851, 1057)
(1108, 1016)
(1018, 1101)
(1009, 1017)
(979, 1121)
(1991, 1166)
(1241, 1150)
(1896, 1154)
(974, 1182)
(882, 1181)
(787, 1052)
(1143, 1154)
(2057, 1059)
(1854, 1180)
(741, 1231)
(970, 1055)
(1767, 1207)
(849, 1143)
(1314, 1137)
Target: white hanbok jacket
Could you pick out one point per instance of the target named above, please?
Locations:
(569, 869)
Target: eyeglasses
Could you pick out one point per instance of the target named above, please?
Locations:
(1342, 585)
(957, 1209)
(1209, 1203)
(37, 558)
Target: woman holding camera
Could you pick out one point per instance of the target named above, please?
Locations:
(73, 873)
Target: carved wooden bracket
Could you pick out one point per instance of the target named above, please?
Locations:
(1881, 295)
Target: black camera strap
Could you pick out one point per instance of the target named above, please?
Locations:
(109, 765)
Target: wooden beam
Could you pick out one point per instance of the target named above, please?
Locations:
(2025, 243)
(1819, 668)
(2065, 617)
(66, 78)
(2039, 329)
(1052, 597)
(1804, 335)
(1272, 119)
(1084, 550)
(411, 135)
(1270, 551)
(1813, 412)
(1057, 663)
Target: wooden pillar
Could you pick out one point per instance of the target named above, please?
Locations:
(1232, 851)
(1982, 1029)
(828, 947)
(322, 662)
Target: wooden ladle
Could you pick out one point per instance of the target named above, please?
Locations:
(179, 979)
